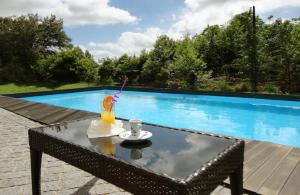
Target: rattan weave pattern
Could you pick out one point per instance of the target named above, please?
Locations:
(126, 176)
(217, 170)
(136, 179)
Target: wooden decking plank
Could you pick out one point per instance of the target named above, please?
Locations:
(250, 144)
(81, 116)
(74, 116)
(62, 118)
(255, 150)
(276, 181)
(27, 110)
(12, 104)
(57, 117)
(258, 159)
(296, 152)
(43, 112)
(3, 98)
(48, 119)
(256, 180)
(292, 186)
(78, 115)
(50, 111)
(22, 106)
(255, 158)
(5, 101)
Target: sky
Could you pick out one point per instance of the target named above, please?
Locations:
(110, 28)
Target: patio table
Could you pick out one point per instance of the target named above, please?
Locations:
(172, 161)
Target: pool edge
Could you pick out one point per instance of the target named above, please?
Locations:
(162, 90)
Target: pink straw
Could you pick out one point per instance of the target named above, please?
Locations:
(116, 95)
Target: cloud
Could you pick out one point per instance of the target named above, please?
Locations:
(129, 42)
(174, 162)
(74, 12)
(193, 18)
(199, 13)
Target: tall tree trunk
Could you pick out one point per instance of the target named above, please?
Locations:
(253, 56)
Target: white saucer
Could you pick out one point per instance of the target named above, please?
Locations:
(99, 129)
(143, 136)
(113, 132)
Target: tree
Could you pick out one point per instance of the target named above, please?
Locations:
(23, 39)
(210, 48)
(294, 51)
(252, 42)
(159, 58)
(187, 68)
(106, 69)
(278, 47)
(67, 65)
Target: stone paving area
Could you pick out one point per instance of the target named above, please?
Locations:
(57, 176)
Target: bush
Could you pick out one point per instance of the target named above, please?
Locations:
(271, 88)
(69, 65)
(241, 87)
(224, 86)
(178, 84)
(215, 85)
(161, 78)
(23, 40)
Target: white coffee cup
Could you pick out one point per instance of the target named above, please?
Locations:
(135, 126)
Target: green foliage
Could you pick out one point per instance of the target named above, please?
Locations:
(160, 57)
(186, 65)
(68, 65)
(106, 69)
(34, 48)
(280, 45)
(271, 88)
(227, 57)
(12, 88)
(231, 52)
(241, 87)
(217, 84)
(209, 46)
(23, 39)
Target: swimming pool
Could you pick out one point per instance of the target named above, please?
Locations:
(260, 119)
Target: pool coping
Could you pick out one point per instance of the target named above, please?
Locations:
(162, 90)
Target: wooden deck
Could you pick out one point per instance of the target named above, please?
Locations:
(268, 168)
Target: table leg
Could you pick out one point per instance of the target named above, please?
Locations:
(36, 162)
(236, 181)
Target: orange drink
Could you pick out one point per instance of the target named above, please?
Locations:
(108, 147)
(108, 114)
(108, 117)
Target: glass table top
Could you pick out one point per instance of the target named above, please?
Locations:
(172, 152)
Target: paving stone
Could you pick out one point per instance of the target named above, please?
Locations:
(105, 188)
(57, 177)
(51, 186)
(11, 190)
(119, 193)
(26, 189)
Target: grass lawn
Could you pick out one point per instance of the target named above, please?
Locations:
(11, 88)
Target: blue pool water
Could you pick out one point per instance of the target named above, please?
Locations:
(260, 119)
